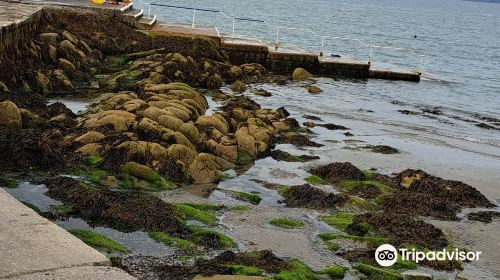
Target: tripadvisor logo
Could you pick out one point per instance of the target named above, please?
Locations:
(387, 255)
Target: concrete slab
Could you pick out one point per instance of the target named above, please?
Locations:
(81, 273)
(30, 243)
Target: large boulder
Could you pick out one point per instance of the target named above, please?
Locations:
(141, 171)
(300, 74)
(191, 132)
(246, 143)
(90, 137)
(117, 120)
(203, 171)
(42, 82)
(170, 122)
(213, 121)
(10, 115)
(66, 65)
(181, 153)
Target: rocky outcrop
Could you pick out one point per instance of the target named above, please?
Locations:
(10, 116)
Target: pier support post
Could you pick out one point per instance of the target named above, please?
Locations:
(194, 19)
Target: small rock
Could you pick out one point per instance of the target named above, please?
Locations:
(313, 89)
(262, 92)
(42, 81)
(90, 137)
(309, 124)
(236, 72)
(300, 74)
(66, 65)
(10, 115)
(3, 87)
(68, 36)
(238, 86)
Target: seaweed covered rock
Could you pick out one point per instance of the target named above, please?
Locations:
(338, 171)
(228, 264)
(300, 74)
(427, 195)
(400, 228)
(308, 196)
(123, 210)
(10, 116)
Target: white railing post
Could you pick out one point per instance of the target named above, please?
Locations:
(370, 56)
(322, 46)
(194, 18)
(149, 10)
(233, 25)
(276, 44)
(421, 65)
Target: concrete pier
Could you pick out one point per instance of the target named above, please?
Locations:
(285, 59)
(32, 247)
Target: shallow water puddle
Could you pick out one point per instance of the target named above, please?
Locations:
(137, 242)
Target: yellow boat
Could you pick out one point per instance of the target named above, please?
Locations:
(99, 2)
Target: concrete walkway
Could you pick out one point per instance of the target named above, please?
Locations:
(32, 247)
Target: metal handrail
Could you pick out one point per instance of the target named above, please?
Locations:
(424, 59)
(149, 7)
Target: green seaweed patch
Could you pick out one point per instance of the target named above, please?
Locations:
(284, 191)
(332, 246)
(286, 223)
(93, 175)
(240, 208)
(243, 158)
(146, 178)
(351, 184)
(171, 241)
(116, 62)
(99, 241)
(247, 197)
(31, 206)
(377, 273)
(200, 234)
(299, 271)
(334, 271)
(340, 220)
(314, 180)
(93, 160)
(372, 239)
(368, 174)
(245, 270)
(361, 204)
(61, 209)
(226, 176)
(206, 206)
(8, 182)
(191, 213)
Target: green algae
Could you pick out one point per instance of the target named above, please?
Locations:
(199, 234)
(314, 180)
(168, 240)
(376, 240)
(99, 241)
(340, 220)
(191, 213)
(286, 223)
